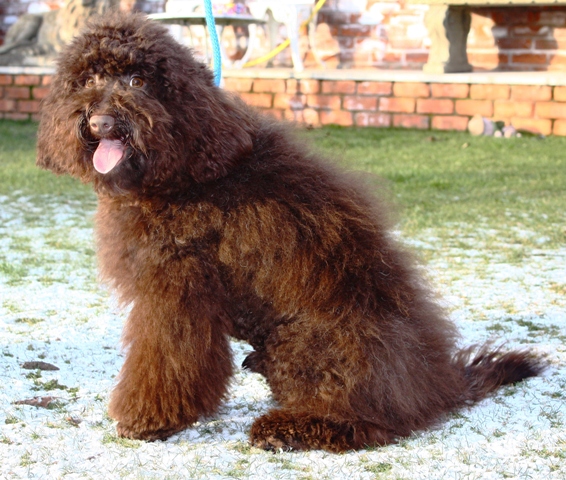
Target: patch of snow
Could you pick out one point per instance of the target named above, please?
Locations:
(53, 310)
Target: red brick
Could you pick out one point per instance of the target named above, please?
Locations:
(559, 128)
(400, 105)
(550, 110)
(264, 85)
(264, 100)
(354, 30)
(6, 79)
(332, 102)
(533, 125)
(488, 60)
(311, 116)
(411, 89)
(46, 80)
(530, 58)
(336, 117)
(291, 115)
(27, 80)
(416, 57)
(392, 57)
(278, 114)
(7, 105)
(529, 30)
(39, 93)
(487, 92)
(558, 61)
(449, 122)
(302, 86)
(375, 88)
(531, 92)
(404, 43)
(356, 102)
(291, 85)
(514, 43)
(474, 107)
(552, 18)
(28, 106)
(367, 119)
(293, 102)
(512, 108)
(16, 116)
(450, 90)
(544, 44)
(435, 105)
(422, 122)
(238, 84)
(18, 92)
(559, 94)
(338, 86)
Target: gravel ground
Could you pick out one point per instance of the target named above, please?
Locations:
(53, 423)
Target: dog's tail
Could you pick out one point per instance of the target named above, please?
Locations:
(487, 368)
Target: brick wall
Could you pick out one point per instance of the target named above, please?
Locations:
(504, 38)
(402, 102)
(411, 104)
(21, 94)
(518, 39)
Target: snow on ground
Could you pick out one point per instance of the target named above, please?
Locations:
(52, 310)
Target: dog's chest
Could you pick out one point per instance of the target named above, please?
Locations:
(143, 232)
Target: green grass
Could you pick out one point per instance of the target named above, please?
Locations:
(18, 173)
(444, 178)
(441, 180)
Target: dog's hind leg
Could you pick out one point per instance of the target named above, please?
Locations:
(315, 373)
(292, 431)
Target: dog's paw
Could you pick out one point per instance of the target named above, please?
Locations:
(273, 444)
(274, 435)
(129, 431)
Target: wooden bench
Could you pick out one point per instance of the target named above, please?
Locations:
(448, 23)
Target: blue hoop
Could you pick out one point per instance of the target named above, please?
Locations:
(216, 57)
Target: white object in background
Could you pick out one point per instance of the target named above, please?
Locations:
(290, 13)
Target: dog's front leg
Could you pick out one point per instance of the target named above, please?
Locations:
(178, 358)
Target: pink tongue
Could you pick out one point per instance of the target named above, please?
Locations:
(108, 155)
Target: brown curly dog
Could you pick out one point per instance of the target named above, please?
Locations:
(214, 222)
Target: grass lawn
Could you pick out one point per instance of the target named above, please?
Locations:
(453, 178)
(488, 215)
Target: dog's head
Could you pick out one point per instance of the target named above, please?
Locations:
(131, 110)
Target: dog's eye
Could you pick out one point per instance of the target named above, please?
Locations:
(136, 82)
(90, 82)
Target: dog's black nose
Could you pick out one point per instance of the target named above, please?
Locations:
(101, 124)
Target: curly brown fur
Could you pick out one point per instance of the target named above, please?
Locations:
(214, 222)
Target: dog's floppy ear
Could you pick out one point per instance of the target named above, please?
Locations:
(58, 148)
